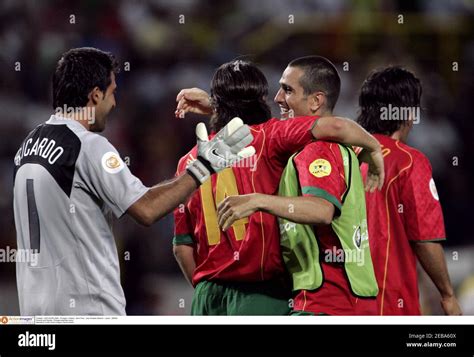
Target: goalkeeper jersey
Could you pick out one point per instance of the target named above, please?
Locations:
(68, 182)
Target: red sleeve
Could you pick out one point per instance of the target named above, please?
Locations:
(321, 173)
(183, 230)
(421, 206)
(285, 137)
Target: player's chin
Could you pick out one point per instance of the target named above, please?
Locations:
(284, 112)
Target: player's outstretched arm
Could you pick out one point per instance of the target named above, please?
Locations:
(162, 199)
(227, 147)
(305, 210)
(348, 132)
(431, 257)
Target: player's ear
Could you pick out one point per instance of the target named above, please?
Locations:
(96, 95)
(316, 101)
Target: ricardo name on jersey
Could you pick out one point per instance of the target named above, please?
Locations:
(45, 148)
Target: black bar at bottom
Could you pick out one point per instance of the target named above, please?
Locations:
(416, 340)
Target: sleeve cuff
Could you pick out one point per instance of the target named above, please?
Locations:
(119, 211)
(182, 239)
(319, 192)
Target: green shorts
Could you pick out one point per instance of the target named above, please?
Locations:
(217, 298)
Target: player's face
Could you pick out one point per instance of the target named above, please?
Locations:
(104, 106)
(291, 97)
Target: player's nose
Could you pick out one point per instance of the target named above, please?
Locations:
(279, 97)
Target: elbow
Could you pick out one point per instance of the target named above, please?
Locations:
(317, 211)
(176, 251)
(337, 124)
(145, 219)
(328, 214)
(147, 223)
(322, 216)
(323, 219)
(142, 213)
(319, 219)
(180, 253)
(337, 127)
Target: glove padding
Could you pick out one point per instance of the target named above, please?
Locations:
(223, 150)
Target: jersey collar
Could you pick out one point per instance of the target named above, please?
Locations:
(59, 120)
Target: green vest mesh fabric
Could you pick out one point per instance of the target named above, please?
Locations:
(299, 244)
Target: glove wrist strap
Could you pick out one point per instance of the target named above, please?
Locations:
(206, 164)
(199, 171)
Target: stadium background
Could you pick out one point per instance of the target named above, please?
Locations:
(164, 55)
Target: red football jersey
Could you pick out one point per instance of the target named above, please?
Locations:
(250, 250)
(321, 174)
(406, 210)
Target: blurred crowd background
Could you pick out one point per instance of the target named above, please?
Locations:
(166, 45)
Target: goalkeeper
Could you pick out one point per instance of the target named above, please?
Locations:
(70, 180)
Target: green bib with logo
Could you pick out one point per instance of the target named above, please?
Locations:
(299, 244)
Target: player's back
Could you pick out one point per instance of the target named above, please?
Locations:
(249, 251)
(60, 216)
(406, 210)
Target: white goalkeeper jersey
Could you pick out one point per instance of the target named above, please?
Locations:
(68, 183)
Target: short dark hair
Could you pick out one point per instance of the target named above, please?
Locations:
(319, 74)
(78, 72)
(239, 88)
(392, 85)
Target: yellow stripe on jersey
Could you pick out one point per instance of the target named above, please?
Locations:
(226, 185)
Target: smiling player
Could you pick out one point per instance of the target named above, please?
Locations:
(320, 203)
(240, 271)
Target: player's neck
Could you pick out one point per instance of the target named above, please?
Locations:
(85, 116)
(399, 135)
(402, 133)
(323, 113)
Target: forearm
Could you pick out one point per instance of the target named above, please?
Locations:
(344, 131)
(184, 255)
(165, 197)
(304, 210)
(162, 199)
(431, 257)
